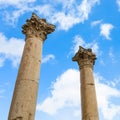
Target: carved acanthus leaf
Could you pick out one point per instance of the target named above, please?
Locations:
(37, 26)
(84, 57)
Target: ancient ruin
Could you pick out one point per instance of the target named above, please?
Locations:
(86, 59)
(23, 104)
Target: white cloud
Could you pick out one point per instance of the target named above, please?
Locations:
(47, 58)
(71, 12)
(78, 41)
(10, 49)
(85, 8)
(97, 22)
(105, 30)
(15, 2)
(18, 9)
(12, 17)
(65, 21)
(105, 94)
(65, 92)
(47, 10)
(118, 3)
(2, 59)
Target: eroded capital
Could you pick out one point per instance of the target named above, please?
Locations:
(85, 57)
(38, 27)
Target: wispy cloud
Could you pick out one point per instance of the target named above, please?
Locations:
(1, 93)
(10, 49)
(18, 9)
(118, 3)
(65, 93)
(78, 41)
(48, 58)
(97, 22)
(15, 2)
(111, 55)
(12, 17)
(115, 82)
(71, 12)
(105, 30)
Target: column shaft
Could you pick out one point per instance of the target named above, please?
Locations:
(88, 95)
(25, 94)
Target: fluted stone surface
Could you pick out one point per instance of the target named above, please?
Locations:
(86, 60)
(23, 104)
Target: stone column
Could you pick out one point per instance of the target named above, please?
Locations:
(23, 104)
(86, 60)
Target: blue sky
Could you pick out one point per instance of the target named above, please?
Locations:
(90, 23)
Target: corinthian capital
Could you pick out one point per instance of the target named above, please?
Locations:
(84, 57)
(38, 27)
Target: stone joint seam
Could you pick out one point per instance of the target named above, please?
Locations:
(31, 80)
